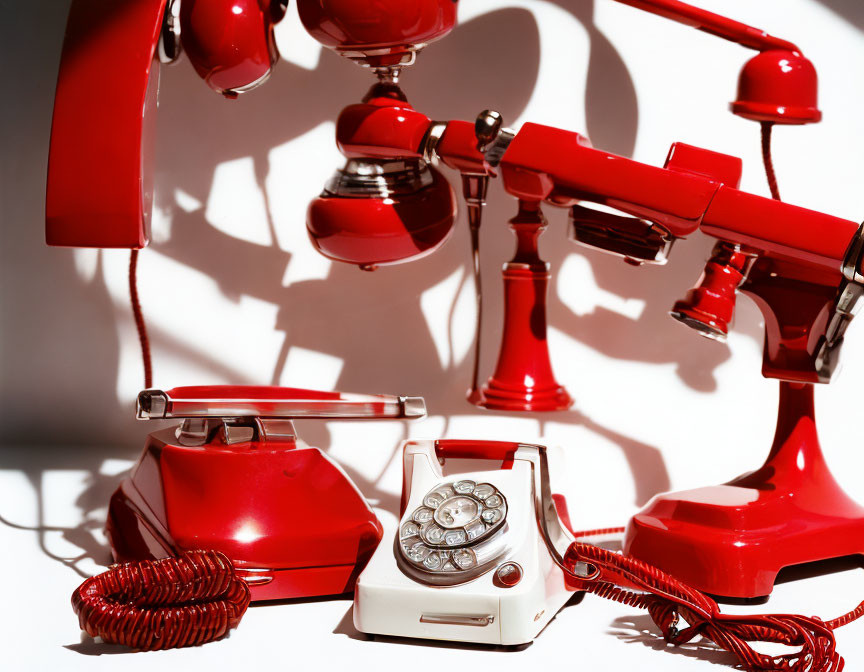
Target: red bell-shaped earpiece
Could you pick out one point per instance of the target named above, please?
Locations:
(710, 306)
(778, 86)
(378, 34)
(375, 213)
(230, 42)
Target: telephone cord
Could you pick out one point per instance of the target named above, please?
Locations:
(668, 601)
(163, 604)
(140, 323)
(768, 161)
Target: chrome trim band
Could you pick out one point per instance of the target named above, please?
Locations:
(159, 405)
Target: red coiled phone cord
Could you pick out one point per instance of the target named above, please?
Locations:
(162, 604)
(634, 583)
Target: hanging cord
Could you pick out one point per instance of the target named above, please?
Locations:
(668, 601)
(140, 324)
(163, 604)
(767, 127)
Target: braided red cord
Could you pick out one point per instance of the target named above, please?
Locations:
(767, 127)
(140, 324)
(163, 604)
(668, 600)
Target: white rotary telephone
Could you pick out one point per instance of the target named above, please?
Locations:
(476, 555)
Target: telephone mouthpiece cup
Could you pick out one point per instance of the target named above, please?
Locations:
(375, 213)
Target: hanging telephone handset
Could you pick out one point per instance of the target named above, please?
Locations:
(477, 554)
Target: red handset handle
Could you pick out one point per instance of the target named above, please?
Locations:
(499, 451)
(695, 190)
(99, 170)
(712, 23)
(227, 401)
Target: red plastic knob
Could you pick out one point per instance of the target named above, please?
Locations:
(377, 231)
(778, 86)
(230, 42)
(381, 33)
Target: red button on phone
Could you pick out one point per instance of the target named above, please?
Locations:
(508, 575)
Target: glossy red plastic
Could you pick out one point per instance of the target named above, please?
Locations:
(496, 451)
(457, 149)
(722, 168)
(100, 177)
(797, 302)
(780, 228)
(523, 378)
(730, 540)
(502, 452)
(383, 126)
(545, 163)
(695, 190)
(381, 33)
(289, 519)
(230, 42)
(710, 306)
(779, 86)
(714, 24)
(372, 232)
(733, 539)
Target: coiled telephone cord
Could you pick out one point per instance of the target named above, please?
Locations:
(163, 604)
(668, 601)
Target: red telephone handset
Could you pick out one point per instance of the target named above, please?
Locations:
(100, 186)
(100, 170)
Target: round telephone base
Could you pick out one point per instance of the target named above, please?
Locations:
(496, 397)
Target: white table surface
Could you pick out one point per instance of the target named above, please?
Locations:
(41, 568)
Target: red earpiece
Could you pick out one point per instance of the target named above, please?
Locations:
(230, 42)
(778, 86)
(710, 306)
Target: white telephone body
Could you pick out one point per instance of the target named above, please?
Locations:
(476, 555)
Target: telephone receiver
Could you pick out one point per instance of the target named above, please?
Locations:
(100, 168)
(478, 550)
(234, 477)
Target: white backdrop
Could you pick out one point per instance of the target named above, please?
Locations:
(234, 292)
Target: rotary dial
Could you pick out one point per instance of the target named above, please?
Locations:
(442, 534)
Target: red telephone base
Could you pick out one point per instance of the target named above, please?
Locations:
(498, 397)
(288, 518)
(732, 540)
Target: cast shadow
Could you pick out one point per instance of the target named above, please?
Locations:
(641, 630)
(98, 488)
(851, 10)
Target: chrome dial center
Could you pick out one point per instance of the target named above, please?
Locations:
(457, 512)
